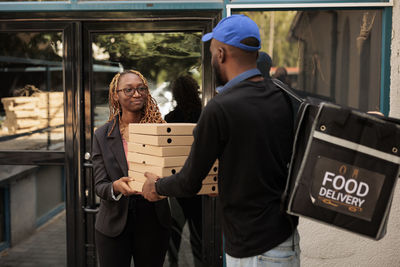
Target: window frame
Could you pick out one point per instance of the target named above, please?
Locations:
(386, 6)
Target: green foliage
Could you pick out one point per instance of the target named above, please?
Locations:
(158, 56)
(32, 45)
(285, 53)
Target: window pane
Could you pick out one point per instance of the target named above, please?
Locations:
(32, 103)
(332, 54)
(36, 219)
(160, 57)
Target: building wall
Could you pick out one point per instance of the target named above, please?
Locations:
(324, 245)
(395, 63)
(23, 206)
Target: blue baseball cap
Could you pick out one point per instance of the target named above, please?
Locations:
(233, 29)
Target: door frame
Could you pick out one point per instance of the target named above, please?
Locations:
(76, 28)
(203, 22)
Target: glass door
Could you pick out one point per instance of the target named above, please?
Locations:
(33, 175)
(163, 50)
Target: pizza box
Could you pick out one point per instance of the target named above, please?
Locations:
(161, 140)
(162, 128)
(155, 160)
(162, 151)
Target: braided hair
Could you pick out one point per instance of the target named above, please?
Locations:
(150, 111)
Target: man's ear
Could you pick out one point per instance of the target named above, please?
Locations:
(221, 54)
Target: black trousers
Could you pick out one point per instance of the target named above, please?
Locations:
(192, 214)
(143, 238)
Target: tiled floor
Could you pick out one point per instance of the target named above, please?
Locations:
(47, 248)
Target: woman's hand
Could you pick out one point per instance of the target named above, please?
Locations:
(121, 186)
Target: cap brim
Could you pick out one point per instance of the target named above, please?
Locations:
(207, 37)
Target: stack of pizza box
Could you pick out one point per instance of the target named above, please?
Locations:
(162, 149)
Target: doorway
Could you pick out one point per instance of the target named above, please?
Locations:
(84, 51)
(162, 49)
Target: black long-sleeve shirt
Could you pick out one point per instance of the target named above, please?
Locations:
(249, 128)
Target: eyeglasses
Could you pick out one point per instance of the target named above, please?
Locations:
(129, 92)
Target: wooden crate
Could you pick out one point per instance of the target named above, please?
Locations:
(28, 113)
(20, 103)
(50, 99)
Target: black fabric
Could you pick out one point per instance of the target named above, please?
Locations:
(315, 160)
(143, 238)
(178, 115)
(249, 129)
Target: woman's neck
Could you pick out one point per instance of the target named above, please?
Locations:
(125, 119)
(128, 117)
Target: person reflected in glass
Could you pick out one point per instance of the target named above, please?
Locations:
(282, 75)
(185, 209)
(127, 226)
(264, 63)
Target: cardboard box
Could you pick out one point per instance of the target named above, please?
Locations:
(161, 140)
(210, 179)
(139, 177)
(208, 189)
(214, 168)
(161, 151)
(157, 170)
(135, 185)
(204, 190)
(157, 161)
(162, 128)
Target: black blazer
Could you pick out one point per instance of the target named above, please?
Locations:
(109, 164)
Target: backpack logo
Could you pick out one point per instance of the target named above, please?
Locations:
(346, 188)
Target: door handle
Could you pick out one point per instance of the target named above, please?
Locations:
(91, 209)
(88, 163)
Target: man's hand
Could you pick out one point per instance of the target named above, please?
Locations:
(121, 186)
(149, 187)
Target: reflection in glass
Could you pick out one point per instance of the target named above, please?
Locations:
(31, 108)
(35, 231)
(161, 58)
(332, 54)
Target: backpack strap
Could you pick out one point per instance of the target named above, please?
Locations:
(287, 90)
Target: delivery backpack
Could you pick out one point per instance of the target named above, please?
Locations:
(344, 166)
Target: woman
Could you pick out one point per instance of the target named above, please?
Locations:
(127, 225)
(188, 108)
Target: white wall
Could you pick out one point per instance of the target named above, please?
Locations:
(324, 245)
(395, 63)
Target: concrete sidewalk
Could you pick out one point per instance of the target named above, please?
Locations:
(45, 248)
